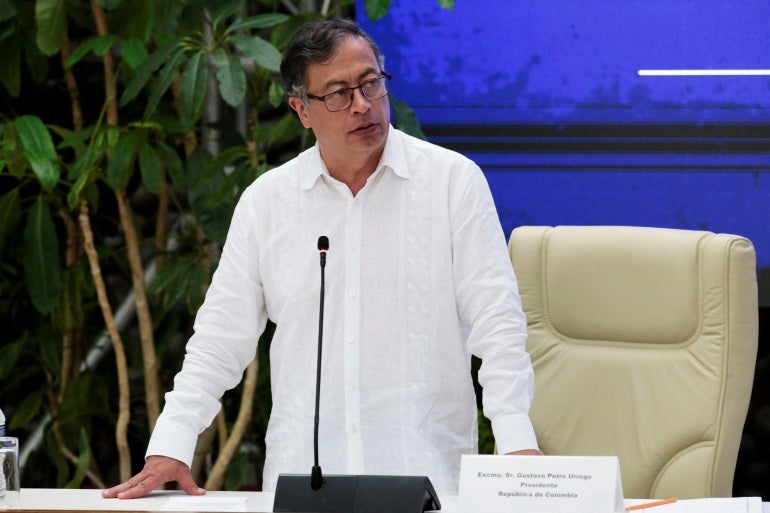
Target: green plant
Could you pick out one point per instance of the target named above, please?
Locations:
(116, 188)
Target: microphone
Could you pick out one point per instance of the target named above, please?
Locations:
(316, 476)
(323, 247)
(316, 493)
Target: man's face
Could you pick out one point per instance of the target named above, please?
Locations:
(360, 131)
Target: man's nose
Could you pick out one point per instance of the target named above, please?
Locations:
(360, 102)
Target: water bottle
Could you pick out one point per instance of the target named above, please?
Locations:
(2, 458)
(10, 487)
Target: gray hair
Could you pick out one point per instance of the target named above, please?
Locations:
(316, 42)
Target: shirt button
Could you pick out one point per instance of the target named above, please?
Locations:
(351, 340)
(352, 293)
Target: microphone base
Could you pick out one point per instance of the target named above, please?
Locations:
(355, 494)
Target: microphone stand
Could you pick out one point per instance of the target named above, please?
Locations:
(316, 493)
(316, 476)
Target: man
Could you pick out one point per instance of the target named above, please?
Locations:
(418, 278)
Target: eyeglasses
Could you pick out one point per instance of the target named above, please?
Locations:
(342, 99)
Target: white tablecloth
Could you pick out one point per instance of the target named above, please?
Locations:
(60, 499)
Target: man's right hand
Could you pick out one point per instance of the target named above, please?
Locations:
(157, 471)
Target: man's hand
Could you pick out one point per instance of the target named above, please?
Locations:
(157, 471)
(524, 452)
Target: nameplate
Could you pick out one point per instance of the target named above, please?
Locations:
(540, 484)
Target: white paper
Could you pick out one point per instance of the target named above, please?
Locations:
(710, 505)
(205, 503)
(540, 484)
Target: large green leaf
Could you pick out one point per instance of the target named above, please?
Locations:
(46, 169)
(51, 18)
(138, 18)
(120, 164)
(49, 349)
(84, 461)
(146, 69)
(10, 64)
(38, 64)
(85, 163)
(165, 77)
(10, 213)
(276, 94)
(151, 168)
(8, 9)
(35, 136)
(42, 266)
(77, 140)
(14, 162)
(174, 166)
(376, 9)
(203, 184)
(184, 279)
(76, 191)
(193, 91)
(99, 45)
(134, 53)
(404, 118)
(29, 409)
(9, 355)
(260, 51)
(282, 34)
(259, 21)
(39, 149)
(285, 130)
(225, 9)
(231, 78)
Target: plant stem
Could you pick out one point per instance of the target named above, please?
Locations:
(217, 474)
(70, 336)
(151, 386)
(72, 86)
(124, 403)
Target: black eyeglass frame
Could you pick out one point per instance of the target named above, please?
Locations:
(352, 92)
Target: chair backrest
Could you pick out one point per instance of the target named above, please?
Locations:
(644, 343)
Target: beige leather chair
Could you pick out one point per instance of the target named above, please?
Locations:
(643, 342)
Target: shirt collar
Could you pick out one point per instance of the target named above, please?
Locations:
(392, 158)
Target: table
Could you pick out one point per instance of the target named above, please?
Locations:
(61, 500)
(49, 499)
(70, 501)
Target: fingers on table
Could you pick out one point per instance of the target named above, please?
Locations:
(140, 487)
(137, 486)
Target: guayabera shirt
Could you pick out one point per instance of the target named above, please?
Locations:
(418, 278)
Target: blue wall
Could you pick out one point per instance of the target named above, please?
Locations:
(547, 97)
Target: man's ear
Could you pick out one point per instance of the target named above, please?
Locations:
(301, 109)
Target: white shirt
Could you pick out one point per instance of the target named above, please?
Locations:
(417, 278)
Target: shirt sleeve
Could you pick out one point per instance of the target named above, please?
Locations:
(489, 305)
(226, 332)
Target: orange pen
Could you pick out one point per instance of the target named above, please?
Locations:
(650, 504)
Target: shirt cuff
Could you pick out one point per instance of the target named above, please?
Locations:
(514, 432)
(173, 440)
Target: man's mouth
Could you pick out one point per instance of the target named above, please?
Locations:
(364, 127)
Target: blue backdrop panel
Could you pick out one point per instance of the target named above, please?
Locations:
(553, 100)
(561, 61)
